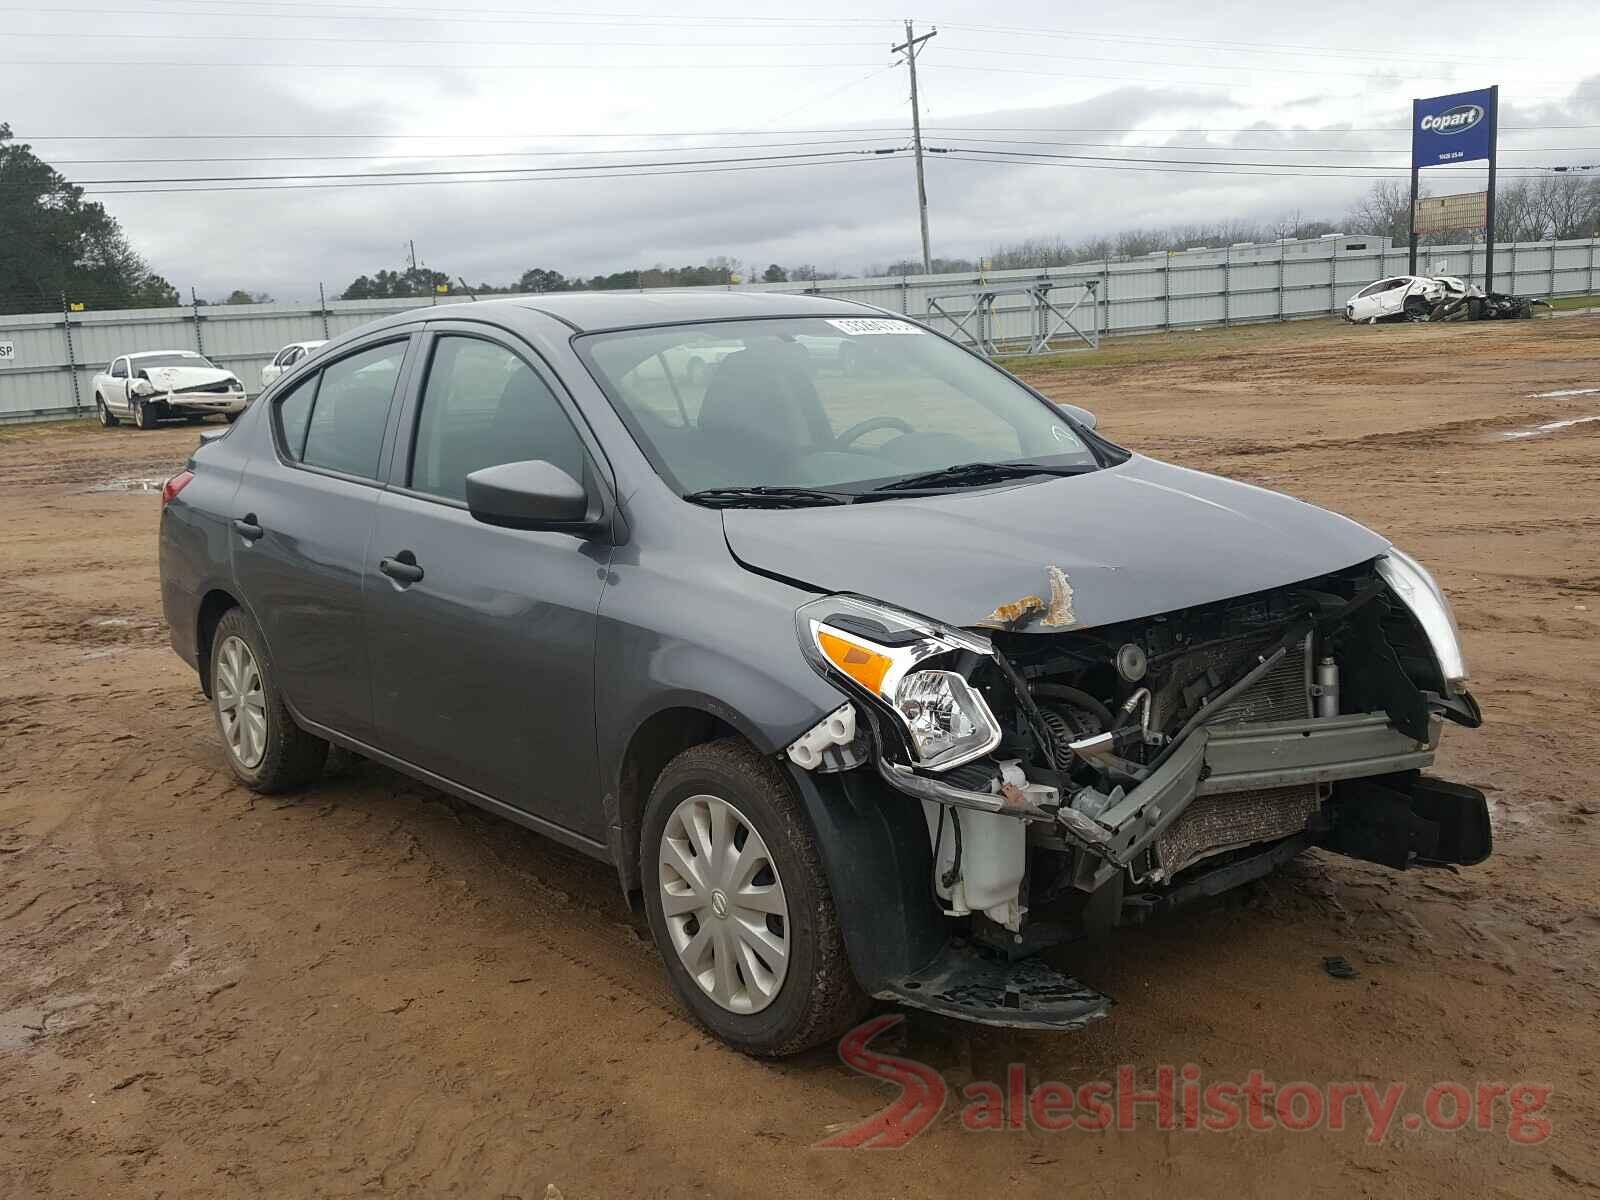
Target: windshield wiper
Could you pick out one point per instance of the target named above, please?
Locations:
(766, 497)
(972, 474)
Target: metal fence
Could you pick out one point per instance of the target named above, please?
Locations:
(49, 368)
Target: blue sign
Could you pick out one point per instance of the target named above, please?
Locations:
(1453, 129)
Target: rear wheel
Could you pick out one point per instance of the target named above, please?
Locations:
(739, 905)
(263, 745)
(103, 414)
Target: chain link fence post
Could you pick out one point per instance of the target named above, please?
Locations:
(194, 307)
(72, 358)
(322, 309)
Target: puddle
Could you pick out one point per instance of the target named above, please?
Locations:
(147, 484)
(1594, 391)
(1550, 426)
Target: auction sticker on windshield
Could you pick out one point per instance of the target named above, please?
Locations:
(868, 325)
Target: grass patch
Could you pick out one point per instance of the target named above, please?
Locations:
(20, 431)
(1177, 346)
(1568, 303)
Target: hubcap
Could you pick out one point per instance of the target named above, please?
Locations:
(724, 904)
(241, 703)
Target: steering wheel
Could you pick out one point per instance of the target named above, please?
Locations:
(861, 428)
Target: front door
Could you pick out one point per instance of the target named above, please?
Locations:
(301, 523)
(482, 639)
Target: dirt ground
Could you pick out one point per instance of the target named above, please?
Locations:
(368, 988)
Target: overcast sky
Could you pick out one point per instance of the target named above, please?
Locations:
(512, 85)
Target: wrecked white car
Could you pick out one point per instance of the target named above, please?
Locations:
(1435, 298)
(159, 385)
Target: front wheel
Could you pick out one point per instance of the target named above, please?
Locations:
(739, 905)
(263, 745)
(144, 416)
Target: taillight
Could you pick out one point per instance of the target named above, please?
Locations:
(171, 488)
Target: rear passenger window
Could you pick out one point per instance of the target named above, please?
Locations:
(483, 406)
(352, 407)
(294, 413)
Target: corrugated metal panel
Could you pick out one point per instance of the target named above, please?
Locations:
(1181, 289)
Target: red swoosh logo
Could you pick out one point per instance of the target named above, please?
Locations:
(921, 1099)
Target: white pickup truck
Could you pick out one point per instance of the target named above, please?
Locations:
(157, 385)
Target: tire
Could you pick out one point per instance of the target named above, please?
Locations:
(104, 414)
(817, 998)
(232, 417)
(286, 756)
(1416, 308)
(143, 416)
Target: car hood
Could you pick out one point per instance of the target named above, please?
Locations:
(176, 379)
(1126, 542)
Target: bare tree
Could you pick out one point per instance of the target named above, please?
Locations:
(1385, 211)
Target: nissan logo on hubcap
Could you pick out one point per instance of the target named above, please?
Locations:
(719, 904)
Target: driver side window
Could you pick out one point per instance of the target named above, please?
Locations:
(119, 369)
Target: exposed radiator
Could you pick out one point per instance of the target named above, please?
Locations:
(1282, 694)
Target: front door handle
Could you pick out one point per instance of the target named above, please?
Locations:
(402, 568)
(247, 528)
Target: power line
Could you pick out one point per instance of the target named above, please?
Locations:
(881, 130)
(197, 65)
(281, 187)
(1211, 163)
(186, 36)
(1159, 62)
(956, 154)
(390, 15)
(259, 158)
(884, 130)
(1260, 149)
(1321, 51)
(681, 162)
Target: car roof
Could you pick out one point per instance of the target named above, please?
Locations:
(165, 354)
(592, 312)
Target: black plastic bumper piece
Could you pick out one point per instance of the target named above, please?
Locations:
(970, 984)
(1403, 821)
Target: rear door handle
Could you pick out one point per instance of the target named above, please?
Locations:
(247, 528)
(402, 568)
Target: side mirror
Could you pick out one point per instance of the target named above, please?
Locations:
(1081, 415)
(528, 495)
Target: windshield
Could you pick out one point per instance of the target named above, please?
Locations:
(145, 361)
(843, 404)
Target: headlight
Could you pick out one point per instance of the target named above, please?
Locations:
(879, 652)
(1412, 583)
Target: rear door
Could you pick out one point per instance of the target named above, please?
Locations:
(301, 522)
(483, 644)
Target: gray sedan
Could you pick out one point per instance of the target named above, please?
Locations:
(869, 684)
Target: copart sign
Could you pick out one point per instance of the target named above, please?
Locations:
(1453, 129)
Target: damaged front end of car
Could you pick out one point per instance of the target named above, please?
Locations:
(1072, 780)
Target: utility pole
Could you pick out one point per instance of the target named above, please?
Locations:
(413, 244)
(910, 48)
